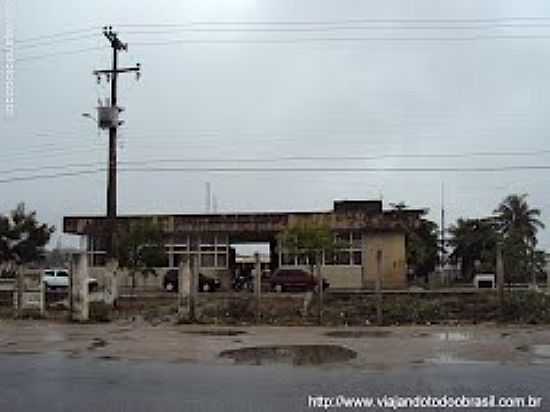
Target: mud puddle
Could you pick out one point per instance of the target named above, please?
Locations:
(450, 359)
(215, 332)
(454, 336)
(541, 350)
(298, 355)
(97, 343)
(359, 334)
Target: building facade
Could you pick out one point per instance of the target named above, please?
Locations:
(361, 227)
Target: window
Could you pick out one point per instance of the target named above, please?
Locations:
(62, 274)
(96, 251)
(302, 259)
(349, 252)
(288, 259)
(194, 242)
(343, 257)
(356, 258)
(330, 259)
(98, 259)
(208, 260)
(221, 260)
(356, 240)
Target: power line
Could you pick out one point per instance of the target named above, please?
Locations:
(345, 21)
(50, 176)
(283, 170)
(61, 53)
(304, 40)
(58, 34)
(57, 41)
(335, 28)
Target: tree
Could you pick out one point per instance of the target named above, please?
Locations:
(422, 244)
(518, 225)
(311, 239)
(422, 247)
(140, 247)
(22, 237)
(474, 241)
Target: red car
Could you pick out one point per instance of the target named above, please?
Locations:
(294, 280)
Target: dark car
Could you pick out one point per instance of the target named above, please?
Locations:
(206, 284)
(294, 280)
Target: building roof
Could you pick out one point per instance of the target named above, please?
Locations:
(359, 215)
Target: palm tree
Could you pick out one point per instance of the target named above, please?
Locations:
(516, 218)
(473, 240)
(519, 224)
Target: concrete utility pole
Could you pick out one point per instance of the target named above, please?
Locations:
(112, 75)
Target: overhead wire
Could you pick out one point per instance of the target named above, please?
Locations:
(281, 170)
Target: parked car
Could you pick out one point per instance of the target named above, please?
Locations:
(206, 284)
(59, 279)
(56, 278)
(243, 281)
(294, 280)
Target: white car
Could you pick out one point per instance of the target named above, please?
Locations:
(59, 279)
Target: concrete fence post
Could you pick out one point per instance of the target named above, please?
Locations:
(258, 286)
(184, 288)
(42, 288)
(110, 292)
(500, 278)
(80, 308)
(20, 289)
(379, 274)
(193, 285)
(321, 292)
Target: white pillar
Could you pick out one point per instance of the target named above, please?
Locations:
(80, 304)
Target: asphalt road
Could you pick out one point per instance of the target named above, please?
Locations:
(53, 382)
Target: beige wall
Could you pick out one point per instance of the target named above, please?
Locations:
(394, 268)
(343, 276)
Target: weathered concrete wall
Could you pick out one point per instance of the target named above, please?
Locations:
(342, 276)
(153, 282)
(394, 269)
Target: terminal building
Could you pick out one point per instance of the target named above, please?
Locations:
(361, 225)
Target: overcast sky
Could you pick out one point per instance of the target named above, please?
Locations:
(315, 78)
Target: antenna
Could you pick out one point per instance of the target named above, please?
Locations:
(208, 197)
(214, 203)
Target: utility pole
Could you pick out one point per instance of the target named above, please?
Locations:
(109, 119)
(442, 253)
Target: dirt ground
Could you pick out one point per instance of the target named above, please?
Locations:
(385, 348)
